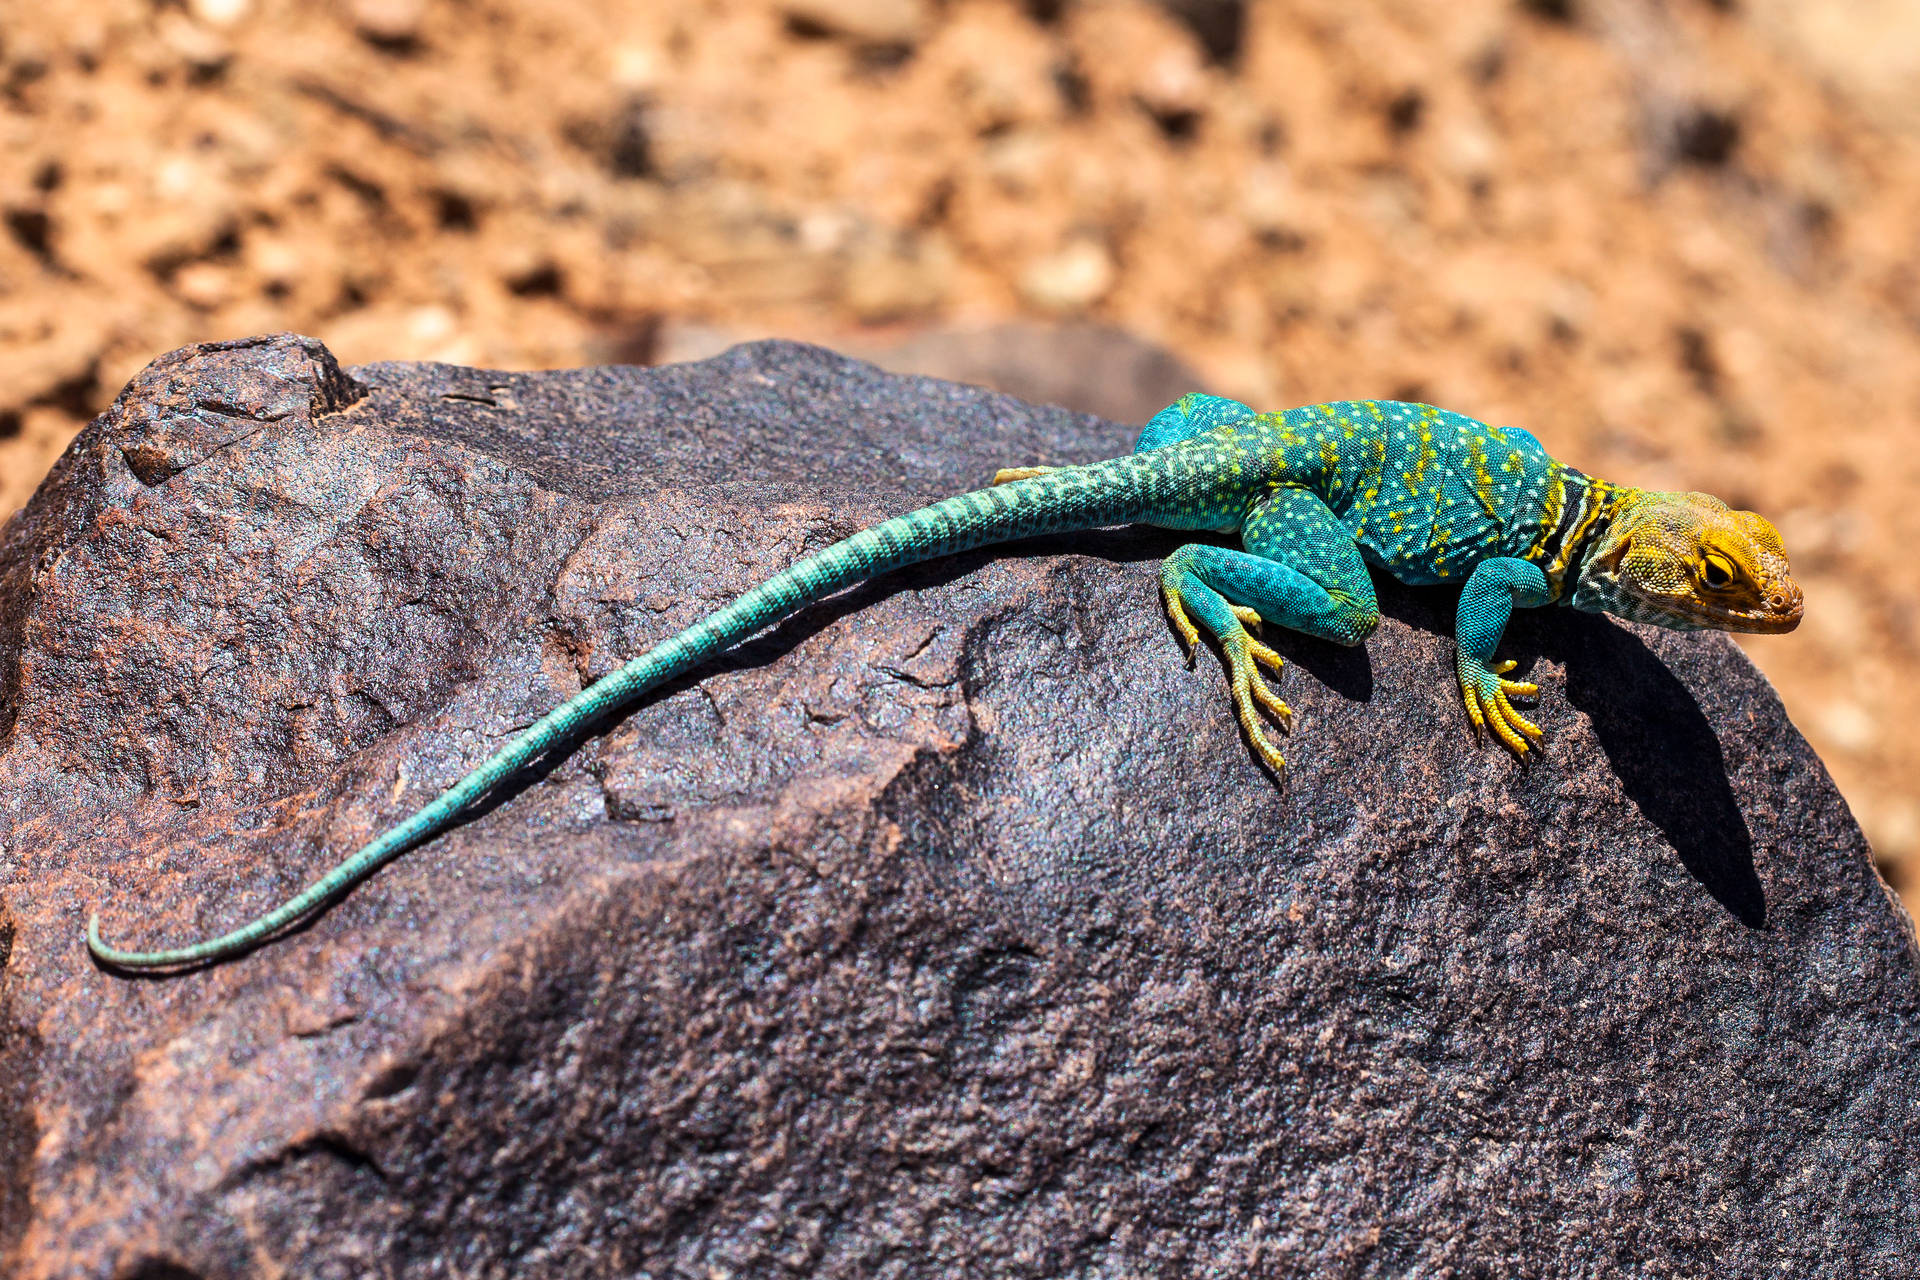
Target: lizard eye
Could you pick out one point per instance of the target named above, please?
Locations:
(1716, 573)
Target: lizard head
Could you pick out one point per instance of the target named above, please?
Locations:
(1690, 562)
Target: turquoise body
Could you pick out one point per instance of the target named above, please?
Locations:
(1425, 494)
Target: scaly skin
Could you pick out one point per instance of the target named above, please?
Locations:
(1315, 495)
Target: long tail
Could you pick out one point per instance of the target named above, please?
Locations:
(1070, 498)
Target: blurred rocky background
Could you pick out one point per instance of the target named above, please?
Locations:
(1680, 242)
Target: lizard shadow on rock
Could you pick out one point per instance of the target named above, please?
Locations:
(1663, 750)
(1655, 736)
(1347, 670)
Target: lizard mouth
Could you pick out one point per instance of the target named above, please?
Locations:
(1756, 623)
(1779, 614)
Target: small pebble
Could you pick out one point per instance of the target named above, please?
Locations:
(894, 22)
(388, 21)
(1072, 279)
(219, 13)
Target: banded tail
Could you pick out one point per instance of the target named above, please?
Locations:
(1118, 491)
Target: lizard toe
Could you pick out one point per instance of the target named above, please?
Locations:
(1256, 732)
(1182, 623)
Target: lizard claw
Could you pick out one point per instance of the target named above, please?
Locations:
(1488, 702)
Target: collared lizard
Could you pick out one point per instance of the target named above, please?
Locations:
(1316, 495)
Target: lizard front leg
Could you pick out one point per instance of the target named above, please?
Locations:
(1493, 590)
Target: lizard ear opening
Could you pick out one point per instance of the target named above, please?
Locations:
(1608, 557)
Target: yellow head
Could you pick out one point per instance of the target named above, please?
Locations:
(1689, 561)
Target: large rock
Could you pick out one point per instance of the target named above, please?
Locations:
(947, 929)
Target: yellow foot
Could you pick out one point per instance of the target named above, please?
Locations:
(1252, 694)
(1006, 474)
(1245, 656)
(1487, 701)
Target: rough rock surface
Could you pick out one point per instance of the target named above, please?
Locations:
(947, 929)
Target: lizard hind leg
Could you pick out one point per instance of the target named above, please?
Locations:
(1188, 597)
(1301, 570)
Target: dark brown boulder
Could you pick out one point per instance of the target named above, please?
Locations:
(949, 928)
